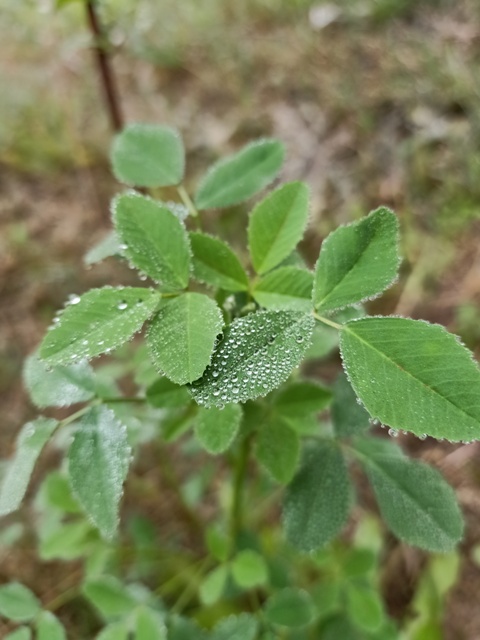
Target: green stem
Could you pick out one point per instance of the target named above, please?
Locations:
(240, 471)
(187, 201)
(330, 323)
(79, 413)
(126, 399)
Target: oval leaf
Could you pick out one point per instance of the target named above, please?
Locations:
(167, 395)
(98, 462)
(182, 335)
(49, 627)
(364, 606)
(242, 627)
(414, 376)
(348, 416)
(414, 499)
(277, 225)
(22, 633)
(98, 321)
(153, 239)
(290, 608)
(215, 263)
(30, 442)
(278, 449)
(18, 603)
(149, 625)
(216, 428)
(109, 596)
(213, 585)
(318, 500)
(249, 569)
(145, 155)
(240, 176)
(257, 354)
(302, 398)
(285, 288)
(60, 386)
(357, 262)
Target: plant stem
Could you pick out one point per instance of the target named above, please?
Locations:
(126, 399)
(240, 470)
(187, 201)
(104, 67)
(330, 323)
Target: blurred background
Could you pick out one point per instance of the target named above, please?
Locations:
(377, 102)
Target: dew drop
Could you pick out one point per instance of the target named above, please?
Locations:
(122, 305)
(393, 433)
(73, 299)
(299, 339)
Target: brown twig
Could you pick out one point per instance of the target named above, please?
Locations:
(104, 67)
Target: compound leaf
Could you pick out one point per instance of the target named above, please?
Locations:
(256, 354)
(414, 499)
(277, 224)
(145, 155)
(240, 176)
(182, 335)
(357, 262)
(216, 428)
(98, 321)
(30, 442)
(153, 239)
(414, 376)
(285, 288)
(215, 263)
(98, 462)
(18, 603)
(349, 417)
(60, 386)
(278, 449)
(317, 502)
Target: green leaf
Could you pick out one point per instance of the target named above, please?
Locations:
(60, 386)
(317, 502)
(217, 543)
(277, 224)
(49, 627)
(154, 239)
(249, 569)
(98, 462)
(302, 398)
(349, 417)
(30, 442)
(109, 596)
(357, 262)
(290, 607)
(97, 322)
(240, 176)
(213, 585)
(149, 625)
(414, 376)
(285, 288)
(241, 627)
(167, 395)
(59, 494)
(108, 246)
(414, 499)
(18, 603)
(114, 631)
(364, 606)
(68, 542)
(257, 354)
(216, 428)
(184, 629)
(278, 449)
(214, 263)
(145, 155)
(22, 633)
(182, 335)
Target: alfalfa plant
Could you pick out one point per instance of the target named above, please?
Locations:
(225, 340)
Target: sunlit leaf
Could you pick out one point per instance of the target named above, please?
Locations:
(146, 155)
(98, 463)
(241, 175)
(285, 288)
(357, 262)
(182, 335)
(30, 442)
(215, 263)
(153, 239)
(98, 321)
(413, 376)
(216, 428)
(277, 224)
(317, 502)
(256, 354)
